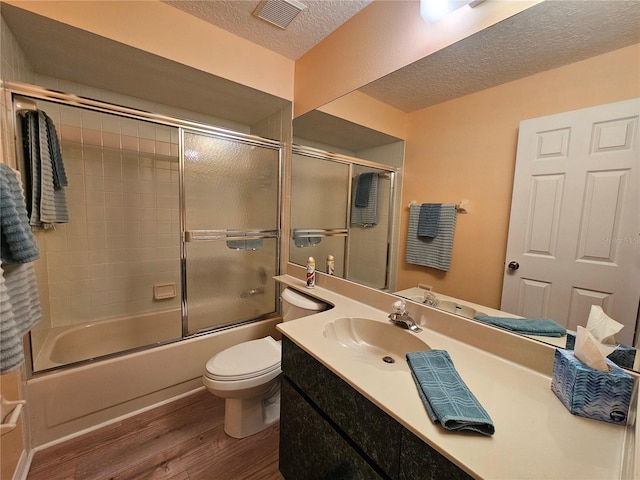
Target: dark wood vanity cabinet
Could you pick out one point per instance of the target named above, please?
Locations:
(329, 431)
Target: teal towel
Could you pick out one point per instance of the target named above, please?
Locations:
(17, 244)
(429, 220)
(543, 327)
(363, 188)
(446, 397)
(431, 252)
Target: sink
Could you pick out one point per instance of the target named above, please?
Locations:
(383, 345)
(458, 309)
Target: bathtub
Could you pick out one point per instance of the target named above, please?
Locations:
(90, 340)
(67, 402)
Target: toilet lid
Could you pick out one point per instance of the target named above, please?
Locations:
(245, 360)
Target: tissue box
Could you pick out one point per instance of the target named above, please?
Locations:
(623, 356)
(591, 393)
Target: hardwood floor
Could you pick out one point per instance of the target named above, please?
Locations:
(183, 440)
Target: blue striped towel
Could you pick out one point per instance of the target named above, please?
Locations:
(543, 327)
(363, 187)
(17, 244)
(366, 216)
(431, 252)
(429, 220)
(446, 397)
(19, 311)
(47, 202)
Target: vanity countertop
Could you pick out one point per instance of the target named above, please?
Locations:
(536, 437)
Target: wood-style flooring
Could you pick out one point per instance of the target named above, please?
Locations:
(183, 440)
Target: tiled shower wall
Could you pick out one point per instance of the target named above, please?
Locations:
(123, 234)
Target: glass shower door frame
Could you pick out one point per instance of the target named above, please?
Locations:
(192, 236)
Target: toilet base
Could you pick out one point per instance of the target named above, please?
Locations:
(247, 416)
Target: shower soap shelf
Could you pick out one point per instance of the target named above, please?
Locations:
(9, 413)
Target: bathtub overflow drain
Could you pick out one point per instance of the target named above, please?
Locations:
(388, 359)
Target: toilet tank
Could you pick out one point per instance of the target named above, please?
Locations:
(297, 305)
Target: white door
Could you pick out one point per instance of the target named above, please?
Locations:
(574, 233)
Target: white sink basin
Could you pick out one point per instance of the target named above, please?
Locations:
(380, 344)
(458, 309)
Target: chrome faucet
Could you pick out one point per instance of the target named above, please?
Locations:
(401, 317)
(430, 299)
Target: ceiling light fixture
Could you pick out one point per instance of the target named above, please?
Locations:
(433, 10)
(279, 12)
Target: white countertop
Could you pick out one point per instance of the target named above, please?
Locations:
(536, 437)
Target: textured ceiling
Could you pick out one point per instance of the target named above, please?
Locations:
(545, 36)
(548, 35)
(319, 19)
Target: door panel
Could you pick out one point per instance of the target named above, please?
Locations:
(231, 191)
(575, 222)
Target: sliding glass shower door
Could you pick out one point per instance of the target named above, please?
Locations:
(231, 221)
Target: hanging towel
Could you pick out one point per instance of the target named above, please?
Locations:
(431, 252)
(529, 326)
(363, 188)
(446, 397)
(17, 244)
(429, 220)
(43, 159)
(19, 312)
(366, 216)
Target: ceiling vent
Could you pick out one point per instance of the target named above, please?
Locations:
(279, 12)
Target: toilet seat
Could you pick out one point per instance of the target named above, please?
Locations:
(246, 360)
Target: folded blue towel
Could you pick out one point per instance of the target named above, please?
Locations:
(446, 397)
(429, 220)
(543, 327)
(363, 188)
(366, 216)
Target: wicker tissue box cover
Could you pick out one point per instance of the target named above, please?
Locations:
(591, 393)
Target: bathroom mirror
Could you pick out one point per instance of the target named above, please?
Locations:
(496, 56)
(325, 219)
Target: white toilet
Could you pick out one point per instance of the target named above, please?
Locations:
(247, 375)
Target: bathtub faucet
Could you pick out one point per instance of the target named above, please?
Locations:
(401, 317)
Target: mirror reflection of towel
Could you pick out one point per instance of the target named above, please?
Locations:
(431, 252)
(363, 188)
(429, 220)
(366, 216)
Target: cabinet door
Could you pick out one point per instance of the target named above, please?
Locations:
(418, 461)
(310, 449)
(366, 425)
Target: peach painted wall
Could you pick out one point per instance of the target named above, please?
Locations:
(364, 110)
(157, 28)
(381, 38)
(466, 148)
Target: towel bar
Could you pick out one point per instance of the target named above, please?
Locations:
(12, 410)
(460, 207)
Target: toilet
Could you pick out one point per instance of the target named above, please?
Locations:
(247, 375)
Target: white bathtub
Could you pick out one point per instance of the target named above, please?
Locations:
(82, 342)
(67, 402)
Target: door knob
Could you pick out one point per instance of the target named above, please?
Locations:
(513, 265)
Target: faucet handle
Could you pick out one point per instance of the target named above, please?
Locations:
(400, 306)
